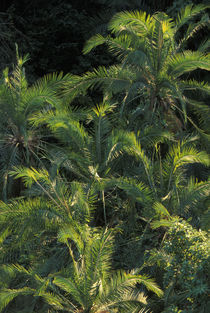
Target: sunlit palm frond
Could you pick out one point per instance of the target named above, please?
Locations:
(192, 198)
(137, 21)
(187, 61)
(188, 13)
(161, 210)
(179, 156)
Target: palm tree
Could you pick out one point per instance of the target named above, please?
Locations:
(20, 143)
(167, 178)
(86, 276)
(49, 203)
(88, 283)
(91, 151)
(153, 63)
(107, 160)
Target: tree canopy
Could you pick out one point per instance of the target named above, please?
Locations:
(104, 193)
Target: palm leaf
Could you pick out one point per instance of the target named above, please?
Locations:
(71, 288)
(7, 295)
(138, 21)
(188, 13)
(187, 61)
(102, 78)
(160, 209)
(93, 42)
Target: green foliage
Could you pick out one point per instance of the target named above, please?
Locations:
(152, 63)
(21, 143)
(88, 281)
(99, 198)
(185, 268)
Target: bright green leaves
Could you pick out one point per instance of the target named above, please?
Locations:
(186, 62)
(184, 262)
(136, 22)
(188, 13)
(92, 284)
(151, 62)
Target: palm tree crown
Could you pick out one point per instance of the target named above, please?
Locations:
(152, 64)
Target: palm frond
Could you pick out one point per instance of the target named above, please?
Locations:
(192, 197)
(162, 223)
(134, 148)
(137, 191)
(93, 42)
(188, 13)
(204, 46)
(160, 209)
(195, 85)
(179, 156)
(121, 295)
(55, 301)
(7, 295)
(101, 78)
(187, 61)
(151, 136)
(71, 288)
(137, 21)
(192, 30)
(98, 256)
(150, 284)
(163, 29)
(30, 175)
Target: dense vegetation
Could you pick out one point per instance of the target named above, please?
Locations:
(104, 170)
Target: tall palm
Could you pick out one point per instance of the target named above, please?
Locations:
(86, 275)
(20, 143)
(88, 283)
(91, 148)
(152, 64)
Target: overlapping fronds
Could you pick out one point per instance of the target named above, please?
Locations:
(42, 289)
(180, 155)
(102, 78)
(93, 266)
(189, 12)
(187, 61)
(192, 197)
(27, 214)
(92, 284)
(75, 203)
(20, 141)
(192, 30)
(149, 53)
(26, 99)
(102, 164)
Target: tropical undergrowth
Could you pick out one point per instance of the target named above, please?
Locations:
(104, 206)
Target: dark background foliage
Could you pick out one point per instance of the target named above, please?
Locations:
(54, 32)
